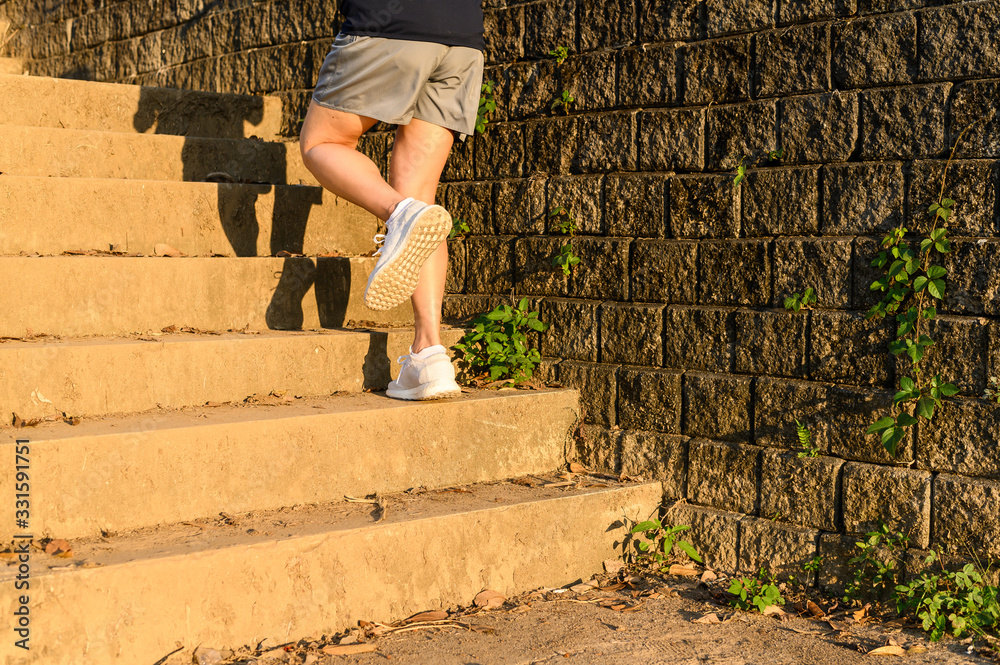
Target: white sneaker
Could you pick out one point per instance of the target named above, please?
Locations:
(425, 375)
(412, 233)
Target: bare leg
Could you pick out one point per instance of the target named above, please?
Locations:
(329, 143)
(418, 157)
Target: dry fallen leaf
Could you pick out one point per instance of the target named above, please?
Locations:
(612, 566)
(776, 612)
(916, 650)
(708, 576)
(861, 614)
(577, 468)
(433, 615)
(163, 249)
(348, 649)
(686, 571)
(712, 618)
(815, 609)
(489, 599)
(59, 547)
(890, 650)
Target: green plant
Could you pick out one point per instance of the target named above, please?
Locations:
(992, 393)
(957, 603)
(800, 301)
(877, 566)
(567, 258)
(658, 542)
(758, 592)
(487, 106)
(459, 227)
(813, 565)
(497, 345)
(775, 155)
(564, 102)
(560, 53)
(747, 160)
(805, 441)
(741, 172)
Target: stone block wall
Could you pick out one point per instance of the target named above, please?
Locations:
(672, 327)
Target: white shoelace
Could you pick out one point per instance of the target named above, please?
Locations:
(379, 241)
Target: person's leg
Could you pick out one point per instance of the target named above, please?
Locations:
(328, 142)
(419, 153)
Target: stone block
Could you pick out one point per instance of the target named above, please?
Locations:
(669, 20)
(535, 274)
(455, 279)
(699, 338)
(801, 490)
(461, 309)
(504, 30)
(631, 333)
(603, 270)
(823, 264)
(900, 498)
(581, 197)
(715, 534)
(471, 202)
(592, 79)
(547, 25)
(717, 406)
(519, 206)
(599, 448)
(460, 161)
(649, 399)
(866, 249)
(836, 571)
(847, 348)
(782, 549)
(814, 10)
(703, 207)
(635, 205)
(781, 201)
(960, 41)
(489, 264)
(734, 272)
(881, 50)
(724, 475)
(965, 515)
(663, 457)
(648, 75)
(528, 89)
(962, 438)
(903, 123)
(572, 333)
(793, 61)
(728, 17)
(664, 271)
(837, 417)
(971, 184)
(819, 128)
(886, 6)
(973, 281)
(597, 386)
(737, 132)
(715, 71)
(915, 563)
(500, 151)
(607, 23)
(672, 140)
(960, 344)
(605, 143)
(975, 109)
(771, 342)
(862, 199)
(550, 145)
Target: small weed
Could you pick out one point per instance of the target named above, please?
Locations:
(775, 155)
(758, 592)
(992, 393)
(955, 603)
(459, 228)
(759, 157)
(658, 543)
(813, 565)
(565, 102)
(567, 258)
(877, 567)
(809, 449)
(497, 345)
(487, 106)
(741, 173)
(560, 53)
(800, 301)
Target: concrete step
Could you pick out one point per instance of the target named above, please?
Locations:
(70, 153)
(38, 101)
(53, 215)
(102, 376)
(114, 295)
(130, 472)
(12, 66)
(311, 571)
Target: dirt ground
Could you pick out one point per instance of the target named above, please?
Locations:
(648, 620)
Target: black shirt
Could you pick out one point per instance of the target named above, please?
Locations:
(449, 22)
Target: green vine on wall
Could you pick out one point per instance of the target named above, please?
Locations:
(566, 259)
(912, 286)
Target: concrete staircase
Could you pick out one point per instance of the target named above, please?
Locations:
(204, 416)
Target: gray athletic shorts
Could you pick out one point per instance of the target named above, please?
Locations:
(394, 80)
